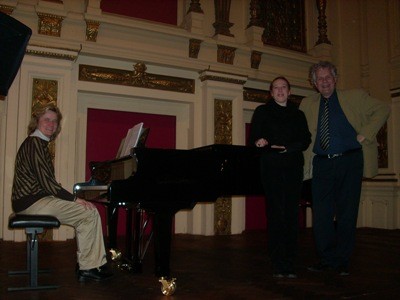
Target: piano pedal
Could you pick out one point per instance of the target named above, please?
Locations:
(168, 286)
(116, 254)
(128, 265)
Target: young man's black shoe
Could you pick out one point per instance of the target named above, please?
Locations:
(95, 274)
(343, 271)
(319, 267)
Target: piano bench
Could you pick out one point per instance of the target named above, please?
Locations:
(33, 225)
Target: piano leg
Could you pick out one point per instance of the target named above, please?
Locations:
(128, 235)
(162, 242)
(112, 215)
(162, 250)
(137, 255)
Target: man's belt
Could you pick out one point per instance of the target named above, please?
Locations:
(330, 156)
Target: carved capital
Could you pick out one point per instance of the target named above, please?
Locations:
(194, 48)
(92, 29)
(49, 24)
(255, 59)
(225, 54)
(195, 7)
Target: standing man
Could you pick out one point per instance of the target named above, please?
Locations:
(343, 125)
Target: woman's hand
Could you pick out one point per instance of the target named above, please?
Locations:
(360, 138)
(261, 143)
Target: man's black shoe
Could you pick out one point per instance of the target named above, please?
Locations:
(343, 271)
(319, 267)
(96, 274)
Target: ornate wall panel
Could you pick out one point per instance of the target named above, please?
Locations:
(284, 24)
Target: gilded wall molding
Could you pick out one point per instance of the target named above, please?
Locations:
(44, 91)
(256, 95)
(223, 122)
(222, 77)
(138, 78)
(223, 135)
(263, 96)
(51, 52)
(6, 9)
(49, 24)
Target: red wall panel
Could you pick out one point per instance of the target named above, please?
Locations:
(106, 129)
(163, 11)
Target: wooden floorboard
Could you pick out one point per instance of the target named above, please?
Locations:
(219, 267)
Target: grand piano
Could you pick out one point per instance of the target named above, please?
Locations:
(161, 182)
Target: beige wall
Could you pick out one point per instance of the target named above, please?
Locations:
(367, 55)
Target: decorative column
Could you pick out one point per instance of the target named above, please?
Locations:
(51, 15)
(93, 11)
(222, 107)
(195, 6)
(323, 46)
(194, 18)
(255, 27)
(254, 32)
(222, 24)
(322, 26)
(194, 47)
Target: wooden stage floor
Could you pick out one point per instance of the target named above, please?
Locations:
(219, 267)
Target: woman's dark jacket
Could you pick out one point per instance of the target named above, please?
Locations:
(283, 126)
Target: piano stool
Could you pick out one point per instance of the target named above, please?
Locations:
(33, 225)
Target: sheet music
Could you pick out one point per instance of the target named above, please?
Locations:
(131, 139)
(121, 145)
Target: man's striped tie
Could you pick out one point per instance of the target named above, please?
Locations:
(324, 127)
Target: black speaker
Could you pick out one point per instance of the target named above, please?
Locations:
(14, 37)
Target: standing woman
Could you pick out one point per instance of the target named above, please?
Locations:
(281, 128)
